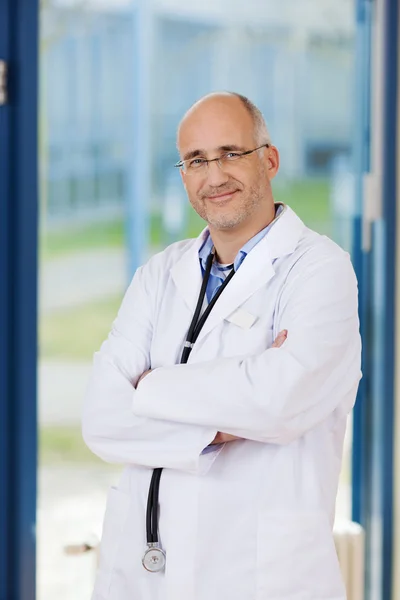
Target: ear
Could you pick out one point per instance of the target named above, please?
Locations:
(272, 162)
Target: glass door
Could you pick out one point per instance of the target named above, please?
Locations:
(115, 79)
(85, 157)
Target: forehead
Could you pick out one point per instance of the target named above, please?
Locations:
(215, 123)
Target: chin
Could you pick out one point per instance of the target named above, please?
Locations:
(224, 224)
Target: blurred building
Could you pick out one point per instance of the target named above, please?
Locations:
(295, 62)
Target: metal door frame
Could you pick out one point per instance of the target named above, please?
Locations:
(18, 299)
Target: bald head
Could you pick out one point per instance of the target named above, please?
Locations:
(234, 104)
(235, 191)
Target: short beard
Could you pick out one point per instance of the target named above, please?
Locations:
(249, 204)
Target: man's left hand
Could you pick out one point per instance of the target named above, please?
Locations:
(143, 376)
(221, 438)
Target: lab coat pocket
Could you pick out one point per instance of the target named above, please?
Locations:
(113, 526)
(239, 340)
(296, 558)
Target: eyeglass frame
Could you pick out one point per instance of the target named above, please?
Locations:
(180, 163)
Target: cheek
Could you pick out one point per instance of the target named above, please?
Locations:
(194, 198)
(188, 187)
(194, 191)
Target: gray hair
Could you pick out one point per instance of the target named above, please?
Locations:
(261, 132)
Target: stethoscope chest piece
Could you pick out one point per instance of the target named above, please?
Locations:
(154, 558)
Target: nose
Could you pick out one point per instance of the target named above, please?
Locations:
(216, 176)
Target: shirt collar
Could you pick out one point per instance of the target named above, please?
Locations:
(206, 247)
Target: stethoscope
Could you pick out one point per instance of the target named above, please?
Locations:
(154, 558)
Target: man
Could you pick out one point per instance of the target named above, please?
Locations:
(249, 427)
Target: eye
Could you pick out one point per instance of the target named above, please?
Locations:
(232, 155)
(195, 163)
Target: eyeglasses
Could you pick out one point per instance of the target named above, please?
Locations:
(200, 165)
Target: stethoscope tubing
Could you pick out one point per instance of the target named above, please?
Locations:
(195, 328)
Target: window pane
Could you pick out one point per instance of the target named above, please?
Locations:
(116, 78)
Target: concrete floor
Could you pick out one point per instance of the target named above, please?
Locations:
(71, 504)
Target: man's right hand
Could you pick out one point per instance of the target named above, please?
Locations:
(281, 338)
(227, 437)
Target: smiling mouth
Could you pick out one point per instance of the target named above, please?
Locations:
(221, 197)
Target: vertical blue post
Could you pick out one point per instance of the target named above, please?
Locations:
(18, 289)
(389, 184)
(139, 167)
(361, 158)
(5, 529)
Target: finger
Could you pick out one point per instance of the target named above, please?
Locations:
(217, 439)
(227, 437)
(281, 338)
(143, 375)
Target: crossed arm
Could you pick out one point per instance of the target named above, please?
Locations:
(272, 397)
(222, 437)
(109, 426)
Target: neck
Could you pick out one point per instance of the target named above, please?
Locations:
(228, 242)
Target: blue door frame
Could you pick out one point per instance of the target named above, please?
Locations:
(361, 133)
(373, 439)
(388, 343)
(18, 277)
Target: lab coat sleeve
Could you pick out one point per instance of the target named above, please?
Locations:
(281, 393)
(109, 426)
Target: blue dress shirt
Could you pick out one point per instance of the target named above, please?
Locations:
(220, 272)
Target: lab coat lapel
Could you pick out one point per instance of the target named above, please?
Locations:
(255, 271)
(257, 268)
(186, 273)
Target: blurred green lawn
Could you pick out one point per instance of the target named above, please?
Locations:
(64, 444)
(60, 332)
(309, 198)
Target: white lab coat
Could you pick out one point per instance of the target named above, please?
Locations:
(253, 519)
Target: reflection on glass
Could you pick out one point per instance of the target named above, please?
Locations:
(296, 65)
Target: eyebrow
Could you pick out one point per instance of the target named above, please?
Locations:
(193, 153)
(233, 147)
(226, 148)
